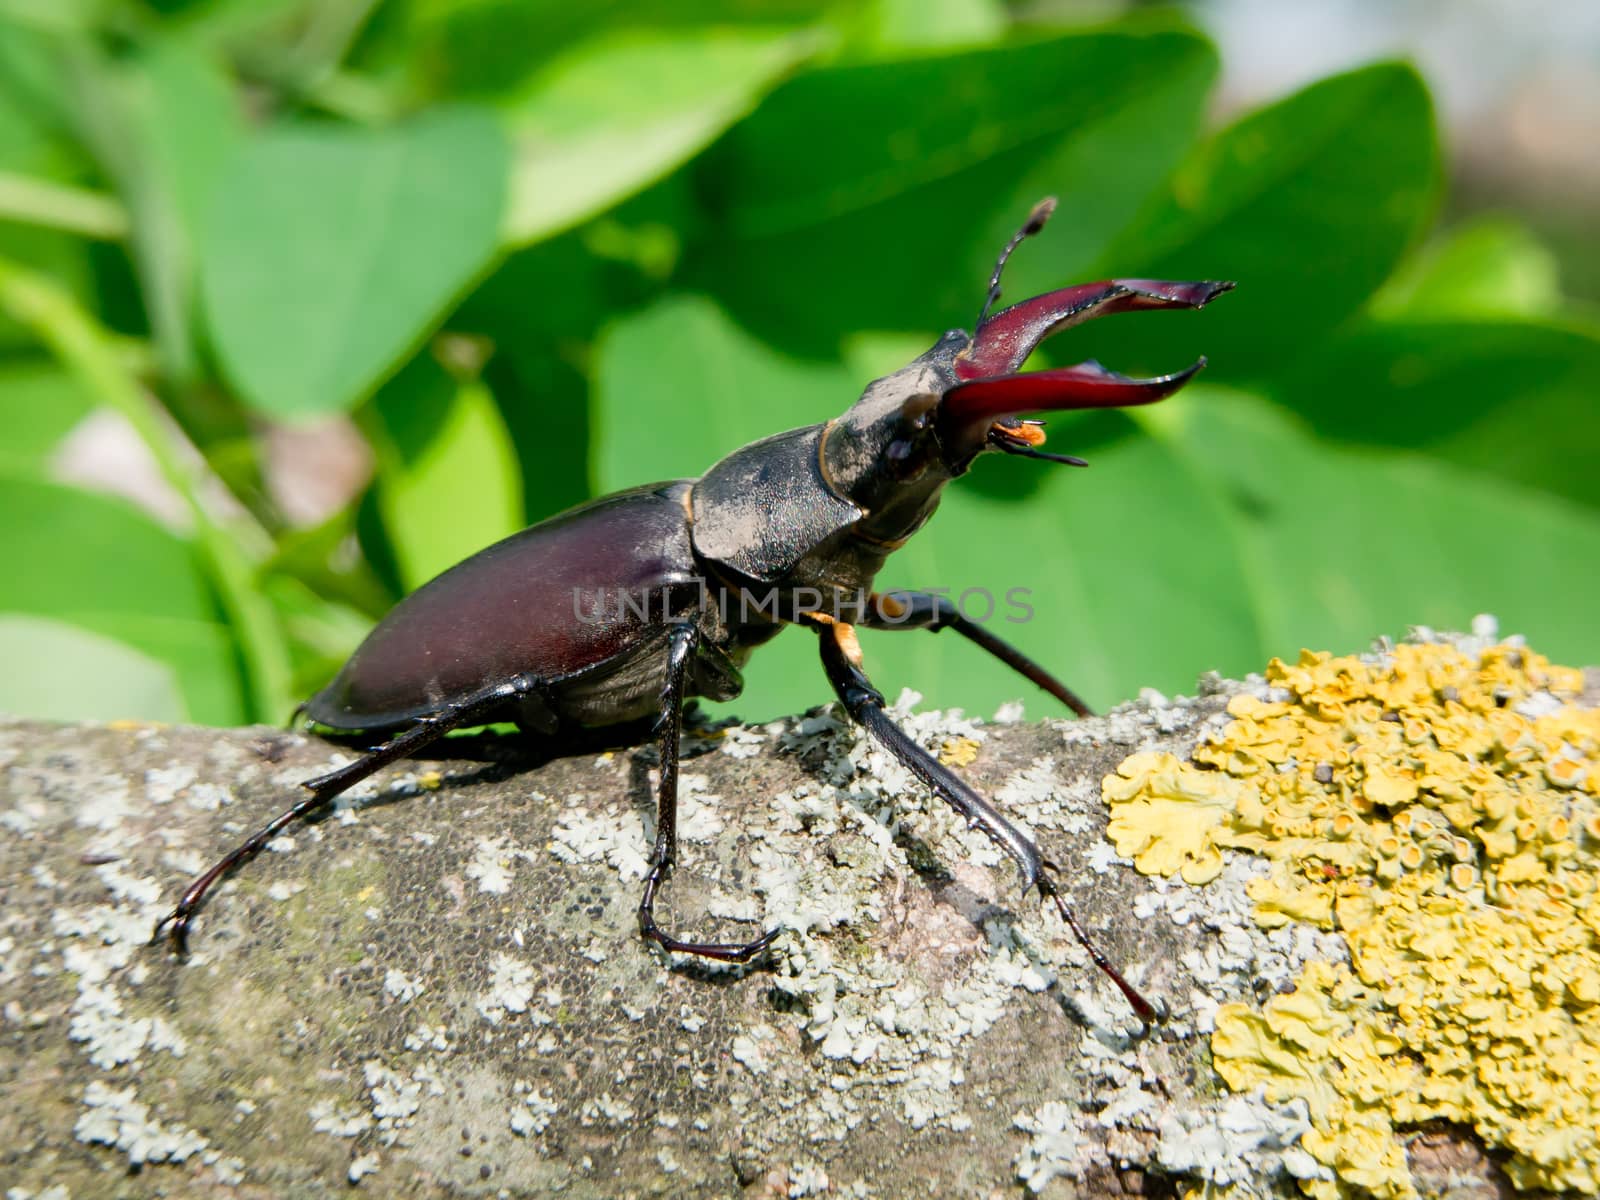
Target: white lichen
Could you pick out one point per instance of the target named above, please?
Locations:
(162, 785)
(607, 1108)
(533, 1115)
(1054, 1148)
(747, 1051)
(105, 803)
(114, 1117)
(699, 819)
(611, 836)
(395, 1097)
(426, 1037)
(1238, 1140)
(401, 986)
(363, 1165)
(740, 741)
(807, 1179)
(336, 1122)
(510, 988)
(492, 859)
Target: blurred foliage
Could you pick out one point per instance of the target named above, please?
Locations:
(536, 252)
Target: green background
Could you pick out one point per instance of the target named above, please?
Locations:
(536, 252)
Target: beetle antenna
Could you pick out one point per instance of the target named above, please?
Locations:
(1008, 435)
(1035, 222)
(1011, 447)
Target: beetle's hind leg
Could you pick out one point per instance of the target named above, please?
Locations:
(326, 788)
(841, 658)
(682, 643)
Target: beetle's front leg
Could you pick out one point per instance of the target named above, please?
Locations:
(681, 646)
(925, 610)
(841, 658)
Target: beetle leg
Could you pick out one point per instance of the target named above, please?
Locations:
(681, 646)
(325, 789)
(715, 675)
(924, 610)
(841, 658)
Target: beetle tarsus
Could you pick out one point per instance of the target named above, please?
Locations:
(1148, 1013)
(732, 952)
(682, 644)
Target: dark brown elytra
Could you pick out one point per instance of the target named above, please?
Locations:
(618, 611)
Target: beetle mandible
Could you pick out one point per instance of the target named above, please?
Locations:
(790, 530)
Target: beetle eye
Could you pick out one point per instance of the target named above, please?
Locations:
(918, 411)
(903, 460)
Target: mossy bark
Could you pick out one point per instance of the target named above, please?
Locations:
(431, 987)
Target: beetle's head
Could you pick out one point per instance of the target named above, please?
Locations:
(915, 430)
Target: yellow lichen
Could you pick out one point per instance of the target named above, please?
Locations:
(1164, 815)
(958, 752)
(1455, 842)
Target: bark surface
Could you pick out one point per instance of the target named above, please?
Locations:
(439, 990)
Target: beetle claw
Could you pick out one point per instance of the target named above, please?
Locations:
(178, 934)
(1148, 1013)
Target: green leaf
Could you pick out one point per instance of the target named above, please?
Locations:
(476, 48)
(1347, 545)
(334, 251)
(34, 124)
(1491, 268)
(1129, 578)
(932, 117)
(447, 480)
(485, 48)
(927, 24)
(39, 405)
(57, 255)
(29, 200)
(1510, 399)
(59, 672)
(163, 124)
(187, 123)
(36, 118)
(543, 309)
(623, 109)
(679, 386)
(318, 557)
(75, 551)
(85, 348)
(323, 633)
(1308, 203)
(52, 16)
(200, 654)
(825, 223)
(248, 26)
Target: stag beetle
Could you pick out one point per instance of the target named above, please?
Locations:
(790, 530)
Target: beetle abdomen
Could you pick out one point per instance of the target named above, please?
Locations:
(570, 597)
